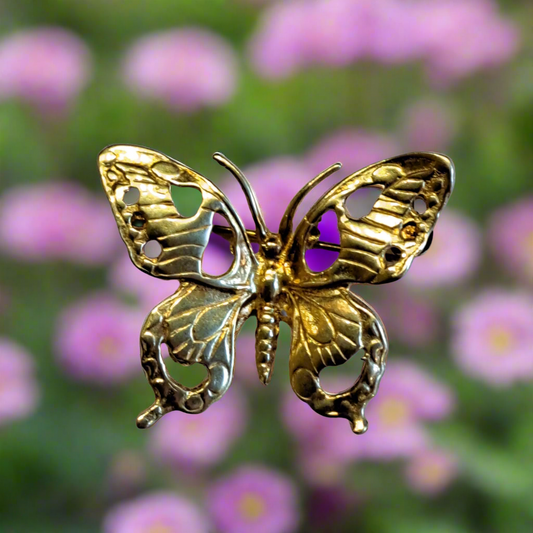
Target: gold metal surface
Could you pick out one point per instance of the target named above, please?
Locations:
(330, 324)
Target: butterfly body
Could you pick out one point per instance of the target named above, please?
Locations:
(329, 323)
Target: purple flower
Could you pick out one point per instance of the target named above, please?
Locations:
(430, 472)
(335, 37)
(297, 34)
(185, 440)
(279, 47)
(187, 68)
(407, 398)
(355, 149)
(46, 66)
(275, 182)
(57, 220)
(158, 512)
(427, 125)
(493, 337)
(454, 255)
(511, 237)
(150, 291)
(98, 340)
(392, 31)
(19, 392)
(452, 49)
(409, 318)
(254, 498)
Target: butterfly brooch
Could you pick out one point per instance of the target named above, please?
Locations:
(329, 323)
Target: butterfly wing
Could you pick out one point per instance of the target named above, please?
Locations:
(329, 326)
(379, 247)
(198, 324)
(152, 216)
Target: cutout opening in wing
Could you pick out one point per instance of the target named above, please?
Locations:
(420, 206)
(190, 376)
(338, 378)
(138, 220)
(152, 249)
(218, 256)
(327, 230)
(361, 201)
(186, 199)
(131, 196)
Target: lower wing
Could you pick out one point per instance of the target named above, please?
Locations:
(328, 327)
(198, 324)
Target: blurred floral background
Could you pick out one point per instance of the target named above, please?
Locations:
(284, 89)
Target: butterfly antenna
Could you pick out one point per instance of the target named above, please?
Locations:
(257, 214)
(285, 227)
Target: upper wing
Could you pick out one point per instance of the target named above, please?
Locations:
(153, 216)
(198, 324)
(328, 327)
(379, 247)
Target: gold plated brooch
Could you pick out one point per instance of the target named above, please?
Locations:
(329, 323)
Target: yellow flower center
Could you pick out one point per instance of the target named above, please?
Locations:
(501, 339)
(252, 506)
(432, 473)
(108, 347)
(393, 412)
(191, 427)
(159, 528)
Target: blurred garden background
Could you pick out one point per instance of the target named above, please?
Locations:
(284, 89)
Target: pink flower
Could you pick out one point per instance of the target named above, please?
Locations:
(298, 34)
(407, 398)
(185, 440)
(19, 392)
(355, 149)
(254, 498)
(431, 471)
(98, 340)
(150, 291)
(393, 34)
(187, 68)
(279, 46)
(427, 125)
(454, 255)
(453, 50)
(275, 182)
(409, 318)
(511, 237)
(46, 66)
(336, 37)
(163, 512)
(57, 220)
(329, 505)
(493, 337)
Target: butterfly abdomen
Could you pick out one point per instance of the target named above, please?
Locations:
(266, 340)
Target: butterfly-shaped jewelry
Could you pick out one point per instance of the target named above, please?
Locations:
(329, 323)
